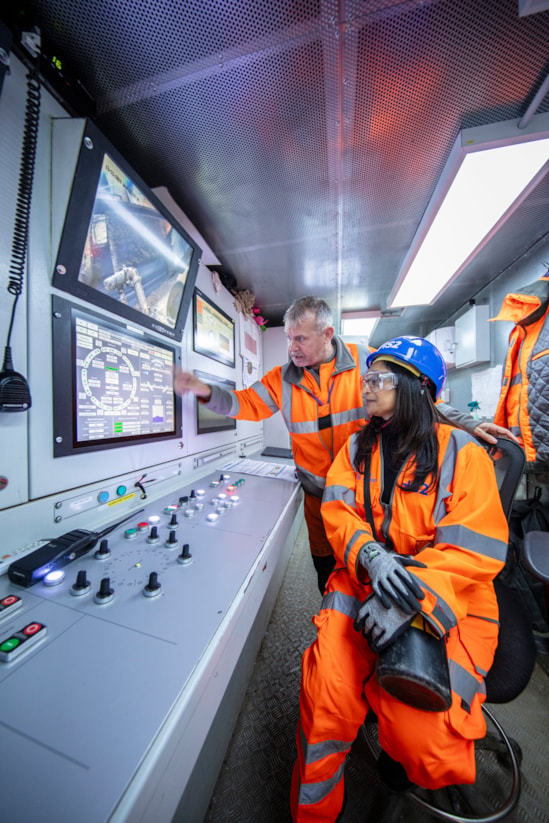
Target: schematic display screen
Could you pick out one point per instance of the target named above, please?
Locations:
(125, 386)
(122, 383)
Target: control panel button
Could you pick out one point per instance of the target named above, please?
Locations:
(13, 646)
(121, 490)
(131, 534)
(102, 497)
(9, 605)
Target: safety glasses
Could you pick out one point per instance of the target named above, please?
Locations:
(374, 381)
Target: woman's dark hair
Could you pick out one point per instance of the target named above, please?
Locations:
(411, 429)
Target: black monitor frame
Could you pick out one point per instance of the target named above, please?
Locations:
(145, 249)
(220, 422)
(66, 383)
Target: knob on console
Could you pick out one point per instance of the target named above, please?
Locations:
(153, 586)
(82, 585)
(153, 535)
(103, 551)
(172, 542)
(185, 556)
(105, 593)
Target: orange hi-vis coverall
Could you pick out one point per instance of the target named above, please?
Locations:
(523, 405)
(458, 529)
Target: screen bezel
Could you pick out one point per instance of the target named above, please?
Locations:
(94, 146)
(212, 353)
(65, 388)
(224, 423)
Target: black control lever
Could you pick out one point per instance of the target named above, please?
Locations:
(58, 553)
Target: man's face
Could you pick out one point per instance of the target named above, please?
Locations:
(306, 346)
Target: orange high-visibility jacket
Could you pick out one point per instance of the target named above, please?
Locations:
(458, 529)
(523, 405)
(319, 418)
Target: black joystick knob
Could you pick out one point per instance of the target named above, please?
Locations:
(185, 556)
(153, 535)
(105, 593)
(192, 495)
(221, 478)
(172, 541)
(103, 551)
(153, 586)
(173, 522)
(184, 499)
(81, 585)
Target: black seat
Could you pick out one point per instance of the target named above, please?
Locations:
(509, 675)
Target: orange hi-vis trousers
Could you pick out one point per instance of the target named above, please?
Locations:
(338, 687)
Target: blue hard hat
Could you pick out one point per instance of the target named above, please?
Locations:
(416, 354)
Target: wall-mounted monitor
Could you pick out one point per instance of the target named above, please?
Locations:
(120, 248)
(112, 383)
(208, 421)
(213, 331)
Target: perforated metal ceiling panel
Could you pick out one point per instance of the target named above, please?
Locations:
(304, 137)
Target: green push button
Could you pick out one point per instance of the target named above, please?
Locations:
(10, 644)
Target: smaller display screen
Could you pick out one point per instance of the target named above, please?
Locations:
(122, 383)
(208, 421)
(213, 330)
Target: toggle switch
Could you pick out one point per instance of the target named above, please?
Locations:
(82, 585)
(172, 542)
(103, 552)
(153, 586)
(185, 557)
(105, 593)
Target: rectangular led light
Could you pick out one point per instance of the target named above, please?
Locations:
(491, 169)
(359, 324)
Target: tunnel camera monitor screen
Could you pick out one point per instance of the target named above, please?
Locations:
(213, 330)
(113, 385)
(120, 249)
(208, 421)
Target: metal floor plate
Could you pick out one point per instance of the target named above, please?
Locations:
(254, 783)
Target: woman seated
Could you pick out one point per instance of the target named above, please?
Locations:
(419, 542)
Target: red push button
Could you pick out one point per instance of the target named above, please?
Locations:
(9, 604)
(13, 646)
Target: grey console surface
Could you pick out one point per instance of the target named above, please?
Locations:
(83, 708)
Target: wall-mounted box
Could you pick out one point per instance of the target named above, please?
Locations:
(445, 341)
(473, 337)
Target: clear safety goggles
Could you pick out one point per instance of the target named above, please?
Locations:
(374, 381)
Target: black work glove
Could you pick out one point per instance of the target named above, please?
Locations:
(389, 578)
(380, 625)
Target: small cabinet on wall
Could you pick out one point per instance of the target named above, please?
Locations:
(473, 337)
(444, 340)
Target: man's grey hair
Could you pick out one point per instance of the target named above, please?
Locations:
(296, 313)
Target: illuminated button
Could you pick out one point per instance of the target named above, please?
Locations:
(10, 604)
(54, 578)
(154, 518)
(121, 490)
(200, 492)
(12, 646)
(143, 526)
(214, 484)
(231, 489)
(190, 512)
(199, 506)
(235, 499)
(170, 509)
(102, 497)
(212, 517)
(131, 534)
(221, 496)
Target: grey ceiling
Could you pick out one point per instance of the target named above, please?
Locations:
(304, 138)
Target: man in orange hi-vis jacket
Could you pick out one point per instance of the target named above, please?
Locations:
(319, 394)
(413, 513)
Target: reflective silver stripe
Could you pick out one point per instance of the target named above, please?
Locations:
(286, 407)
(458, 439)
(343, 603)
(350, 545)
(303, 427)
(353, 448)
(442, 612)
(315, 479)
(342, 493)
(458, 535)
(347, 416)
(316, 751)
(516, 379)
(263, 393)
(310, 793)
(464, 684)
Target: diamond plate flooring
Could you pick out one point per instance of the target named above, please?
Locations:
(254, 782)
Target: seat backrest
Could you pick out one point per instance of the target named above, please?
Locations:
(509, 463)
(516, 652)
